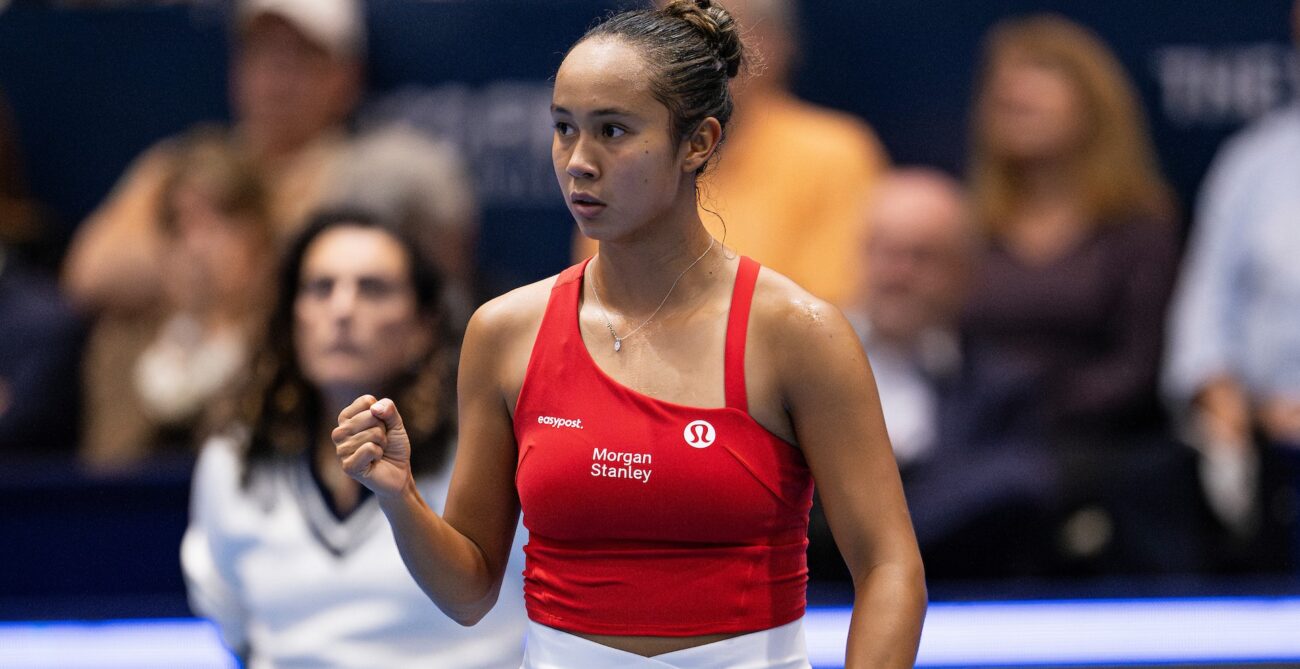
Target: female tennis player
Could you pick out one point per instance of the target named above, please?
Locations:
(659, 412)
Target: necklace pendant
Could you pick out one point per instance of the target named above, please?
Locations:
(618, 344)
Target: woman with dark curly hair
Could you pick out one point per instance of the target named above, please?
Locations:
(290, 557)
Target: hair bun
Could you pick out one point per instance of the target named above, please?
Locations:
(716, 25)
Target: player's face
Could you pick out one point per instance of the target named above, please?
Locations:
(357, 323)
(617, 165)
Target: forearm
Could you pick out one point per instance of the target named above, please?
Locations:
(888, 609)
(115, 269)
(114, 261)
(447, 565)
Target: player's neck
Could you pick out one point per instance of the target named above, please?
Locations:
(635, 276)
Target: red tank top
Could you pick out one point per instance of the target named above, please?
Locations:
(647, 517)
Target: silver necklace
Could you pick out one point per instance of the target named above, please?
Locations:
(618, 341)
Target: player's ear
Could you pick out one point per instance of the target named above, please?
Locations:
(700, 144)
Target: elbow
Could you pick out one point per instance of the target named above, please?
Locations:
(915, 575)
(903, 576)
(909, 573)
(470, 613)
(467, 618)
(919, 587)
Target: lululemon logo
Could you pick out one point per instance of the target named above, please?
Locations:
(699, 434)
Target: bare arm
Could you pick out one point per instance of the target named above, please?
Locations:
(458, 559)
(114, 260)
(837, 419)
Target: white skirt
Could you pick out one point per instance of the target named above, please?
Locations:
(777, 648)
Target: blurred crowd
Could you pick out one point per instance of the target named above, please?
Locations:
(1073, 384)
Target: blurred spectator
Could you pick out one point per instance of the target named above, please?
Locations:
(159, 388)
(40, 339)
(284, 552)
(408, 176)
(1070, 295)
(792, 178)
(295, 75)
(977, 500)
(918, 255)
(1234, 358)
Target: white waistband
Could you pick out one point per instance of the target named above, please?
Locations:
(777, 648)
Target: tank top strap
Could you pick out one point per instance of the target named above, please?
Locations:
(561, 312)
(568, 281)
(566, 294)
(742, 296)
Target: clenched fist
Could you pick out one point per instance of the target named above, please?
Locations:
(373, 447)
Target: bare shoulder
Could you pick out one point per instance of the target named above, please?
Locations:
(513, 314)
(786, 315)
(499, 339)
(806, 344)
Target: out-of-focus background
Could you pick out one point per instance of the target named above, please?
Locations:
(1088, 349)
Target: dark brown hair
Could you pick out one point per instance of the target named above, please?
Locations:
(693, 48)
(283, 407)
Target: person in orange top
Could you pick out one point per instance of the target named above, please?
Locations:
(792, 182)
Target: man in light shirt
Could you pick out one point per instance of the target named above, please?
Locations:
(1233, 367)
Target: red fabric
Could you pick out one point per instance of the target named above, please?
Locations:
(634, 530)
(737, 326)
